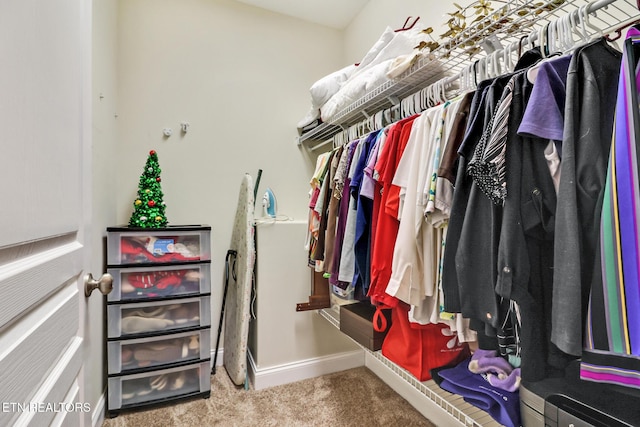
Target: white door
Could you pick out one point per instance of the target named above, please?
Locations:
(45, 118)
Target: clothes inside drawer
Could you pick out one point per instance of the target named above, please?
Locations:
(135, 283)
(167, 245)
(157, 317)
(154, 352)
(154, 386)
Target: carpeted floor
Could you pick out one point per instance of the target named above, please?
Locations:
(355, 397)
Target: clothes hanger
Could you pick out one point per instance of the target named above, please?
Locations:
(561, 39)
(402, 105)
(496, 66)
(553, 38)
(427, 96)
(506, 58)
(475, 72)
(472, 79)
(576, 28)
(463, 78)
(618, 31)
(542, 40)
(443, 91)
(437, 88)
(405, 27)
(564, 34)
(481, 69)
(417, 100)
(437, 96)
(423, 101)
(585, 17)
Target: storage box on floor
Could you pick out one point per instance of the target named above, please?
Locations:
(158, 316)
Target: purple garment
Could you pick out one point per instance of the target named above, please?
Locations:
(342, 220)
(503, 406)
(358, 174)
(368, 183)
(544, 115)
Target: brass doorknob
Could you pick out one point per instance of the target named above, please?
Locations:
(104, 284)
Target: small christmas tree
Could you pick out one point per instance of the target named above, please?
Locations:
(148, 208)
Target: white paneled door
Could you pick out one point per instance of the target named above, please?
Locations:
(45, 121)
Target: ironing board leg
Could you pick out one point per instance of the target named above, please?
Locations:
(224, 298)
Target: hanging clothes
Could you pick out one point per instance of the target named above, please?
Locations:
(314, 220)
(407, 261)
(346, 271)
(612, 344)
(342, 186)
(387, 217)
(591, 95)
(364, 214)
(331, 213)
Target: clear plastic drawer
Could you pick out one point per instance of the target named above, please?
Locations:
(134, 283)
(148, 387)
(166, 245)
(153, 352)
(157, 317)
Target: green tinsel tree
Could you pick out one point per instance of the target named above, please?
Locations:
(148, 208)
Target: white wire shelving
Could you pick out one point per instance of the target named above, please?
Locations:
(518, 19)
(452, 408)
(527, 18)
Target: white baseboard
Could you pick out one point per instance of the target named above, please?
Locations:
(290, 372)
(219, 359)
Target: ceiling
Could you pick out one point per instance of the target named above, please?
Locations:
(331, 13)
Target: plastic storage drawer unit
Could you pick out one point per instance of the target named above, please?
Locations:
(154, 352)
(157, 386)
(135, 283)
(153, 318)
(168, 245)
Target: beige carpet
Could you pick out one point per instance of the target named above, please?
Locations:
(355, 397)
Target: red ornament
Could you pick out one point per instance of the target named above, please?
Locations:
(152, 152)
(158, 179)
(151, 203)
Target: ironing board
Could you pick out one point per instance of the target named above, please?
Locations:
(238, 298)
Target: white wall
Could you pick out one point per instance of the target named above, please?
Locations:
(369, 24)
(104, 137)
(286, 344)
(240, 76)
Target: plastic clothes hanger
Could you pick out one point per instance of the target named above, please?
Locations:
(417, 101)
(437, 91)
(542, 40)
(506, 58)
(481, 69)
(568, 26)
(585, 17)
(574, 23)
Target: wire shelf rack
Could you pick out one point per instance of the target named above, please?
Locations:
(457, 409)
(507, 25)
